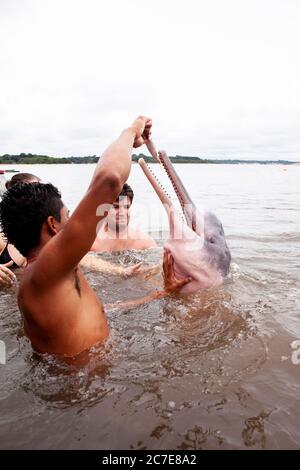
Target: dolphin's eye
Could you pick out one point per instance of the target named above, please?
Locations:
(211, 240)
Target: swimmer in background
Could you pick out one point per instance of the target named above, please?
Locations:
(117, 234)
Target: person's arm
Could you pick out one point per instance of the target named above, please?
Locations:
(65, 250)
(172, 285)
(101, 265)
(14, 254)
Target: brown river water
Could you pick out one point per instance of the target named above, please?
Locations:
(216, 370)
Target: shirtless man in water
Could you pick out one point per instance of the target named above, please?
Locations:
(117, 234)
(62, 314)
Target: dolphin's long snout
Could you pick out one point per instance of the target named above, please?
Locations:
(152, 150)
(155, 184)
(200, 251)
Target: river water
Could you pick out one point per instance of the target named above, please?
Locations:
(217, 370)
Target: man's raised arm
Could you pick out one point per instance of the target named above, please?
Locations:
(64, 251)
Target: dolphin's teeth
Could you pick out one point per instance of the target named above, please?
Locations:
(160, 184)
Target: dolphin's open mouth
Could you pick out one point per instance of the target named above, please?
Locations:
(187, 205)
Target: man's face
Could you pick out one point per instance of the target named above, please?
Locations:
(119, 215)
(64, 217)
(56, 225)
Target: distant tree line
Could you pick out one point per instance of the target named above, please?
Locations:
(29, 158)
(176, 159)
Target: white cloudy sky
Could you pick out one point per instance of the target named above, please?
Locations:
(219, 78)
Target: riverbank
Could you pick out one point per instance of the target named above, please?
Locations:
(29, 158)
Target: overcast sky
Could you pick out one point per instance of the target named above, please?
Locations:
(219, 78)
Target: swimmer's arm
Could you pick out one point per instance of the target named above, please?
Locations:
(98, 264)
(172, 284)
(101, 265)
(130, 304)
(16, 256)
(65, 250)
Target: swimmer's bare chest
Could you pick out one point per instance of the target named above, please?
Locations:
(66, 318)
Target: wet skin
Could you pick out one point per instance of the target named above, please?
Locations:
(83, 322)
(117, 234)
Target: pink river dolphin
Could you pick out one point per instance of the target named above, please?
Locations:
(197, 240)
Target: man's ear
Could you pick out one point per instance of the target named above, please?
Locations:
(52, 225)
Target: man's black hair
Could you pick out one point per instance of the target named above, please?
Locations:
(126, 191)
(23, 209)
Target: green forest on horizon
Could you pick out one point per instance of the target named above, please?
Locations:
(29, 158)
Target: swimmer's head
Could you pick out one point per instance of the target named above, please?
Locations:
(119, 216)
(22, 178)
(30, 211)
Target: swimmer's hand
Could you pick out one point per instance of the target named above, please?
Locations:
(172, 284)
(146, 271)
(132, 270)
(99, 264)
(7, 277)
(150, 271)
